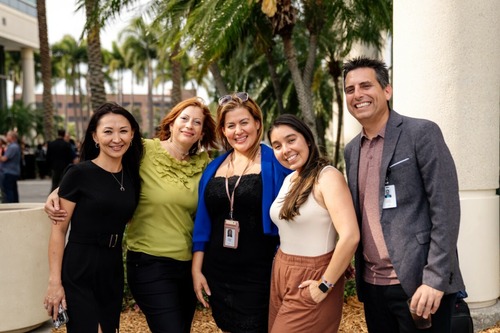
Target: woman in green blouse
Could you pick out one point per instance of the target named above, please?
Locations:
(159, 237)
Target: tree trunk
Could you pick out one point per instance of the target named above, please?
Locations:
(98, 93)
(220, 85)
(151, 127)
(303, 94)
(46, 67)
(66, 116)
(75, 112)
(275, 81)
(176, 94)
(336, 74)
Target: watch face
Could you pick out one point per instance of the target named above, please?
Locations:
(323, 287)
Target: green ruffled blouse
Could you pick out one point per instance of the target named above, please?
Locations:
(162, 224)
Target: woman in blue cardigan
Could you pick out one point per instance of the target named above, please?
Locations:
(234, 239)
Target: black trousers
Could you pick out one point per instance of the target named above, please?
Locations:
(386, 311)
(163, 289)
(9, 186)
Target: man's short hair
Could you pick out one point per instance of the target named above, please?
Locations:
(380, 68)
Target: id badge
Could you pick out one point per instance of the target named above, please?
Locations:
(389, 197)
(231, 231)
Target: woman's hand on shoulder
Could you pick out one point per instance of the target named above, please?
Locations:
(53, 209)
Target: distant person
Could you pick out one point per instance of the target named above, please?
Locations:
(60, 154)
(72, 142)
(3, 146)
(41, 160)
(11, 166)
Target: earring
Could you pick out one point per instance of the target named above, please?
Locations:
(97, 145)
(131, 143)
(199, 146)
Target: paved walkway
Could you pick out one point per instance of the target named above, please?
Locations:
(34, 190)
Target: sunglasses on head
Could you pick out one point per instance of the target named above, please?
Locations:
(243, 96)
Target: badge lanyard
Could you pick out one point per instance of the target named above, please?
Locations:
(231, 196)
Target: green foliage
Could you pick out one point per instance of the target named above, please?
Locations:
(349, 288)
(19, 117)
(128, 301)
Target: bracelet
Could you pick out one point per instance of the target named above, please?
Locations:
(330, 285)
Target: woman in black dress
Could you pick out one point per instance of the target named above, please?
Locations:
(100, 195)
(235, 193)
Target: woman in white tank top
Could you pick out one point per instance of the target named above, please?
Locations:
(318, 234)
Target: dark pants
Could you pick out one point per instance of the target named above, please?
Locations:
(10, 188)
(163, 289)
(386, 311)
(56, 179)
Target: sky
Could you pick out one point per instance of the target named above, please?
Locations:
(63, 19)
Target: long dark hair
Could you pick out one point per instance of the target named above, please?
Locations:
(132, 157)
(308, 176)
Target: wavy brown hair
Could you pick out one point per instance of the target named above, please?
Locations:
(235, 103)
(208, 139)
(302, 186)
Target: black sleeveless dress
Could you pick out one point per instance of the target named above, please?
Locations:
(92, 267)
(239, 279)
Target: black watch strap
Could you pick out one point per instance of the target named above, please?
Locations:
(323, 287)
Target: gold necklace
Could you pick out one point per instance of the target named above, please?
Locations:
(120, 183)
(183, 155)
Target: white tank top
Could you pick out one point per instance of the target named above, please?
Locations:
(309, 234)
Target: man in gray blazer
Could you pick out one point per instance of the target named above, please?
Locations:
(405, 190)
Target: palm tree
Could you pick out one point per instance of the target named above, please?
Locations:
(46, 71)
(303, 34)
(69, 54)
(115, 61)
(93, 30)
(140, 43)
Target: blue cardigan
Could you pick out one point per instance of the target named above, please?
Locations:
(273, 174)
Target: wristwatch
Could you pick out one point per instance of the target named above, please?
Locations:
(324, 286)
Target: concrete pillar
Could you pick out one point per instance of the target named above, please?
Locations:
(28, 64)
(3, 80)
(447, 68)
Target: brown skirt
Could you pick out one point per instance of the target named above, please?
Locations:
(292, 309)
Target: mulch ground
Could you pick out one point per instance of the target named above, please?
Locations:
(133, 321)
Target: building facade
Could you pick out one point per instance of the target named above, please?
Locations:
(18, 32)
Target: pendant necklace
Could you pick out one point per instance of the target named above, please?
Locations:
(120, 183)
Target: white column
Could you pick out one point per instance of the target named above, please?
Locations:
(447, 68)
(28, 64)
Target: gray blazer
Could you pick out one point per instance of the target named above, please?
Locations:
(421, 232)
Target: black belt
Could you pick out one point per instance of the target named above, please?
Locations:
(104, 239)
